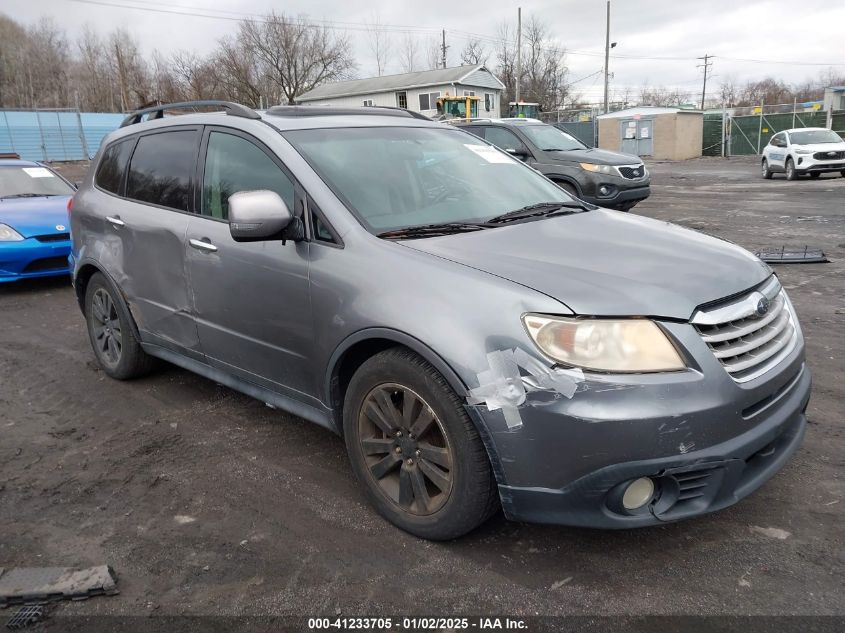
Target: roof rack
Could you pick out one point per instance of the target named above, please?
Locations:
(12, 155)
(230, 108)
(305, 111)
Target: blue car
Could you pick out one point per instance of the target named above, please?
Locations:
(34, 226)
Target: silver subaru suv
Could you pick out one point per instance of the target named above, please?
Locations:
(478, 337)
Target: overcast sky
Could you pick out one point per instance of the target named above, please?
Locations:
(769, 30)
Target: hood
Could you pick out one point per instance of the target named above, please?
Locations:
(35, 216)
(824, 147)
(594, 155)
(607, 263)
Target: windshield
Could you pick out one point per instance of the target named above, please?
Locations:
(18, 181)
(548, 138)
(809, 137)
(396, 177)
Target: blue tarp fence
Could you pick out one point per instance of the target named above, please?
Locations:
(48, 135)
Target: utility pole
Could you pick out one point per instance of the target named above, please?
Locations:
(443, 50)
(606, 58)
(518, 52)
(706, 65)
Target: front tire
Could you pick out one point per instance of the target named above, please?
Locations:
(112, 336)
(791, 173)
(767, 173)
(414, 449)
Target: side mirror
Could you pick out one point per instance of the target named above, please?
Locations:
(521, 154)
(257, 215)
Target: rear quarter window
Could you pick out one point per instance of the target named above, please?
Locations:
(112, 167)
(161, 168)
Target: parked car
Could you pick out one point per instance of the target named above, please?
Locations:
(608, 179)
(477, 336)
(34, 238)
(807, 150)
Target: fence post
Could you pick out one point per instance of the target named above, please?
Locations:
(794, 108)
(41, 133)
(724, 117)
(82, 135)
(760, 129)
(9, 132)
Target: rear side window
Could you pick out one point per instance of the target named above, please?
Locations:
(234, 164)
(475, 130)
(504, 139)
(113, 166)
(161, 168)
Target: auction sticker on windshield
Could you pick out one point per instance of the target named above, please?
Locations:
(38, 172)
(490, 154)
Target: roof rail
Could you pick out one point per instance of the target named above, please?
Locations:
(230, 108)
(305, 111)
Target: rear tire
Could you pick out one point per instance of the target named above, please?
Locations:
(843, 173)
(414, 449)
(791, 173)
(767, 173)
(112, 332)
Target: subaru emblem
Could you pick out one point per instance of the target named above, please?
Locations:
(762, 306)
(60, 227)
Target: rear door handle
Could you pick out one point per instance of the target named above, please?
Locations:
(116, 220)
(203, 245)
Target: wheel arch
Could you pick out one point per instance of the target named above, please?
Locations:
(362, 345)
(80, 284)
(569, 180)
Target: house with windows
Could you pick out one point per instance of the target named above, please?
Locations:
(417, 91)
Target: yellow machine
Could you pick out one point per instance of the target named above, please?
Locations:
(465, 107)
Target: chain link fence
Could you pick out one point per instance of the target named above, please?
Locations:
(745, 131)
(580, 123)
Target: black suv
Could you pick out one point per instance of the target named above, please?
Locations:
(608, 179)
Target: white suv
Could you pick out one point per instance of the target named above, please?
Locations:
(809, 150)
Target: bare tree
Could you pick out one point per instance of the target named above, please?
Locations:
(474, 53)
(506, 60)
(545, 72)
(433, 53)
(379, 42)
(294, 55)
(409, 52)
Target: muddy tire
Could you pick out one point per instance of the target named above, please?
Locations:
(112, 332)
(766, 172)
(791, 172)
(414, 449)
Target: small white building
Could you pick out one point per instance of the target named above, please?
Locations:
(416, 91)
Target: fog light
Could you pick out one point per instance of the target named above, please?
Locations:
(638, 493)
(604, 190)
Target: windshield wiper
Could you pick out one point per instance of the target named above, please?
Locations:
(429, 230)
(25, 195)
(542, 209)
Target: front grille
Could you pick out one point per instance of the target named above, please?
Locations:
(746, 341)
(632, 172)
(55, 237)
(829, 155)
(46, 263)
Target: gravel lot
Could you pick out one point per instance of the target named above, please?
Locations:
(207, 502)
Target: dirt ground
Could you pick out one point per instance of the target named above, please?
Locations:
(205, 501)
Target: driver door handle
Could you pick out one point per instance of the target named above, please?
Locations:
(115, 220)
(203, 245)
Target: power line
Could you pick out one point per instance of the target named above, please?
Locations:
(200, 12)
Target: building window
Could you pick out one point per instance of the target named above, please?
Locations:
(428, 100)
(369, 102)
(488, 101)
(402, 100)
(469, 93)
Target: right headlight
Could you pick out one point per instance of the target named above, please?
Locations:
(8, 234)
(598, 169)
(610, 345)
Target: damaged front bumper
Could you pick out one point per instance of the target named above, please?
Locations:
(703, 440)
